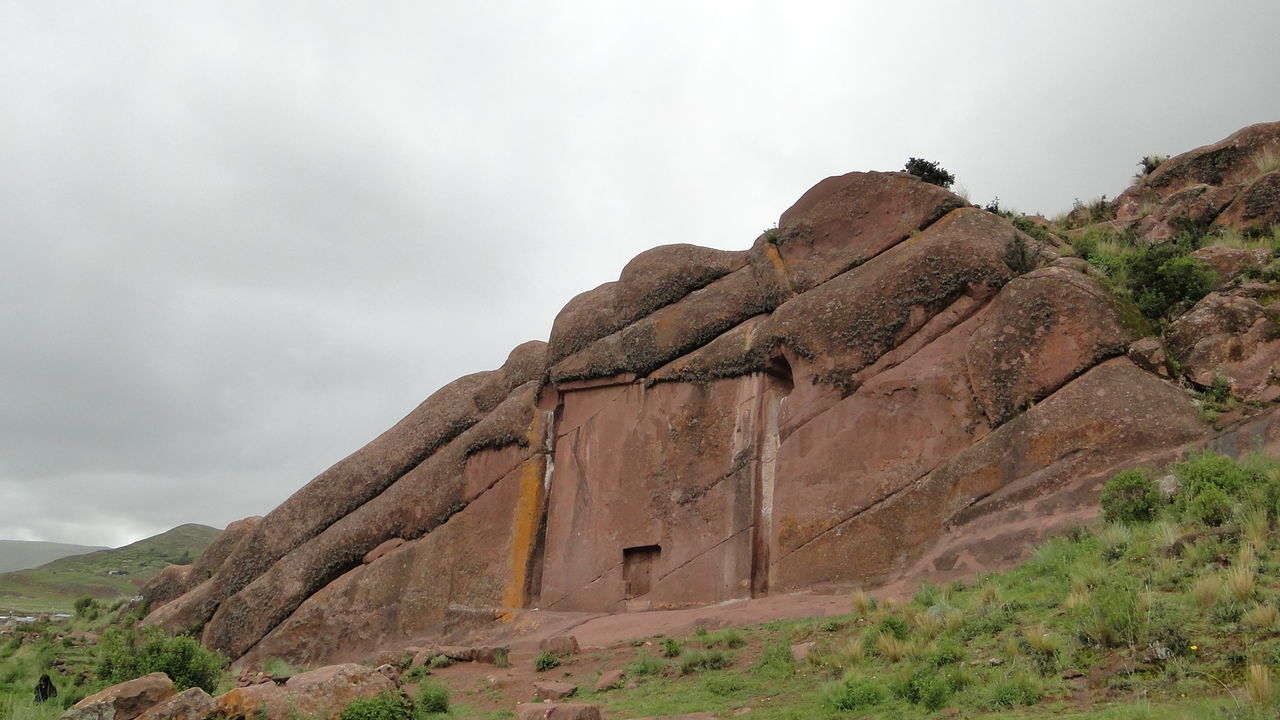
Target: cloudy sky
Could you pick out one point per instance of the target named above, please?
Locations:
(242, 238)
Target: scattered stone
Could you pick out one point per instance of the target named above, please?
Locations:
(557, 711)
(801, 651)
(125, 701)
(609, 680)
(457, 652)
(491, 655)
(553, 690)
(390, 672)
(560, 645)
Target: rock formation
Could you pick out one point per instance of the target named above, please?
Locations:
(889, 382)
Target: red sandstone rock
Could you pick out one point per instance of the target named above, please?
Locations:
(553, 690)
(1233, 335)
(417, 503)
(1149, 354)
(560, 645)
(1257, 206)
(1230, 263)
(254, 701)
(381, 550)
(885, 382)
(557, 711)
(846, 220)
(190, 704)
(1218, 183)
(364, 475)
(655, 278)
(166, 585)
(125, 701)
(609, 680)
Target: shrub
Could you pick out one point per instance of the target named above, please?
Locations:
(86, 608)
(895, 626)
(545, 661)
(855, 693)
(127, 654)
(439, 662)
(1211, 506)
(644, 664)
(1019, 690)
(1130, 496)
(930, 172)
(1211, 469)
(432, 698)
(1162, 277)
(670, 647)
(729, 638)
(1149, 163)
(928, 687)
(387, 706)
(775, 660)
(708, 660)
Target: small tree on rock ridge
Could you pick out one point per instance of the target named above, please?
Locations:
(930, 172)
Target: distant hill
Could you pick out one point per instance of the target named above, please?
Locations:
(23, 554)
(104, 574)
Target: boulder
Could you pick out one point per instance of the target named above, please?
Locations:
(560, 645)
(124, 701)
(330, 689)
(190, 704)
(254, 701)
(1230, 263)
(609, 680)
(553, 690)
(1234, 335)
(801, 651)
(846, 220)
(1256, 208)
(557, 711)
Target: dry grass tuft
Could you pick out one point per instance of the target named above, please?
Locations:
(929, 624)
(862, 603)
(1240, 582)
(1266, 160)
(1039, 640)
(1206, 590)
(1258, 686)
(1262, 617)
(891, 648)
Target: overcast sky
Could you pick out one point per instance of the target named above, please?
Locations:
(240, 239)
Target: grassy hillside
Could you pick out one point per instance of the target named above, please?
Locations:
(23, 554)
(105, 574)
(1167, 611)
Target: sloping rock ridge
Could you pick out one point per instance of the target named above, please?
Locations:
(889, 382)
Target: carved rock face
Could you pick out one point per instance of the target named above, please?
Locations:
(890, 382)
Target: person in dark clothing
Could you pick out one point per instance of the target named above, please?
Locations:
(45, 689)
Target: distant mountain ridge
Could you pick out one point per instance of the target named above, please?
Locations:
(104, 574)
(24, 554)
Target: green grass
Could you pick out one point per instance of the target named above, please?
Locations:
(54, 587)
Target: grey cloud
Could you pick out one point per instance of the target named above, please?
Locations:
(241, 239)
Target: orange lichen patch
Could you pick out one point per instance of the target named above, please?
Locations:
(527, 516)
